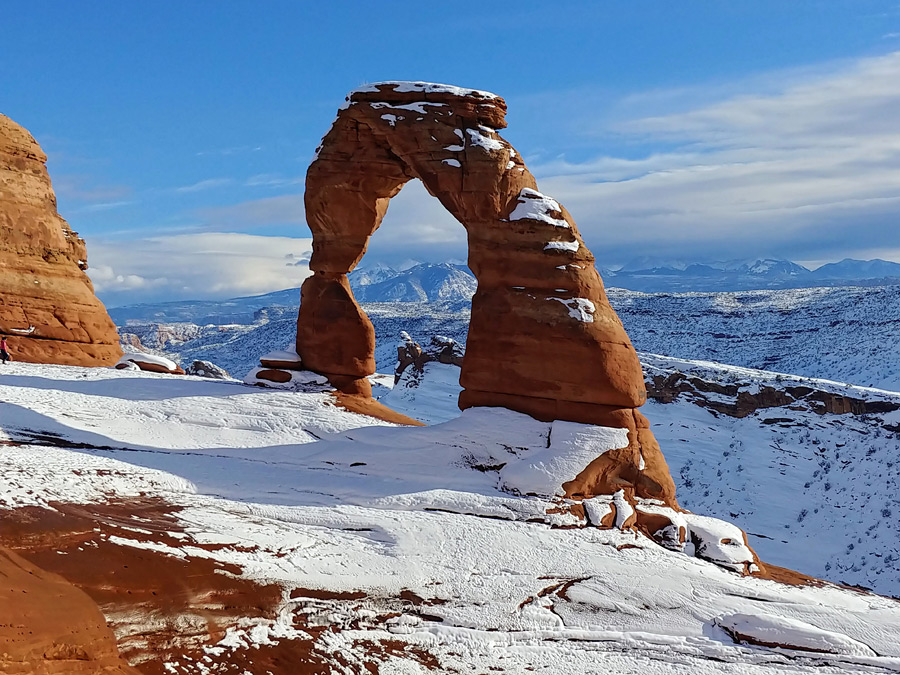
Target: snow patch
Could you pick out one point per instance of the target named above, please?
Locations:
(481, 138)
(533, 205)
(581, 309)
(572, 246)
(769, 630)
(402, 86)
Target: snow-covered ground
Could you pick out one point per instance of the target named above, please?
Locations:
(295, 490)
(816, 493)
(842, 334)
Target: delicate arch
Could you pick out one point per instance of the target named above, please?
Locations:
(543, 339)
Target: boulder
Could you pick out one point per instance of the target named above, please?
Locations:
(149, 362)
(48, 308)
(207, 369)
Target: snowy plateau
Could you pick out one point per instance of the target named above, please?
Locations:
(397, 549)
(377, 548)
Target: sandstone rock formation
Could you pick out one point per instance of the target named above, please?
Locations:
(50, 627)
(543, 339)
(47, 303)
(440, 348)
(149, 362)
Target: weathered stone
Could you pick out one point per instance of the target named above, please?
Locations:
(543, 338)
(47, 304)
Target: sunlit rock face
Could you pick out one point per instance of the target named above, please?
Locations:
(48, 308)
(543, 338)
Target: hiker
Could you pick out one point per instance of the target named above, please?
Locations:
(4, 350)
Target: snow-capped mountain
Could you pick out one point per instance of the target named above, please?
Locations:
(850, 270)
(376, 282)
(648, 274)
(426, 282)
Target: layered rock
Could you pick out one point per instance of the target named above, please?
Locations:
(47, 302)
(543, 339)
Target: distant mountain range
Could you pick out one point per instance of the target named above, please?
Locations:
(450, 282)
(426, 282)
(657, 276)
(423, 282)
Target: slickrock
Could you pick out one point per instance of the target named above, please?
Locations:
(47, 303)
(543, 338)
(49, 627)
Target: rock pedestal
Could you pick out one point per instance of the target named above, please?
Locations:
(47, 304)
(543, 338)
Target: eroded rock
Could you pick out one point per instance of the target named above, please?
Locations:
(47, 304)
(543, 338)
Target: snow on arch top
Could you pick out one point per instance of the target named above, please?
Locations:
(405, 86)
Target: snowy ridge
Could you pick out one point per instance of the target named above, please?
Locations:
(379, 511)
(785, 474)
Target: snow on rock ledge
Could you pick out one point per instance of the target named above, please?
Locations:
(779, 631)
(283, 379)
(572, 446)
(533, 205)
(150, 363)
(287, 359)
(424, 87)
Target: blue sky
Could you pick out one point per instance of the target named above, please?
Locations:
(179, 133)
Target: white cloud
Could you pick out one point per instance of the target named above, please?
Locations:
(810, 169)
(192, 266)
(202, 185)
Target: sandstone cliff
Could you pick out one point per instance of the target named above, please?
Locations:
(47, 303)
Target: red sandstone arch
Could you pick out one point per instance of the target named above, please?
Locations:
(543, 339)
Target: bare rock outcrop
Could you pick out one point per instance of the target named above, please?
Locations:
(50, 627)
(440, 348)
(543, 338)
(47, 302)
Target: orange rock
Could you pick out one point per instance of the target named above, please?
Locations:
(47, 303)
(274, 375)
(543, 338)
(50, 627)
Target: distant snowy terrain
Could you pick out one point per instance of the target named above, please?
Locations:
(843, 334)
(407, 548)
(652, 275)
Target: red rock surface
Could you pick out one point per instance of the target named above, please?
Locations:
(543, 338)
(49, 627)
(47, 303)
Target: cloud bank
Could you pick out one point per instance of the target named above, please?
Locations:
(812, 170)
(212, 265)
